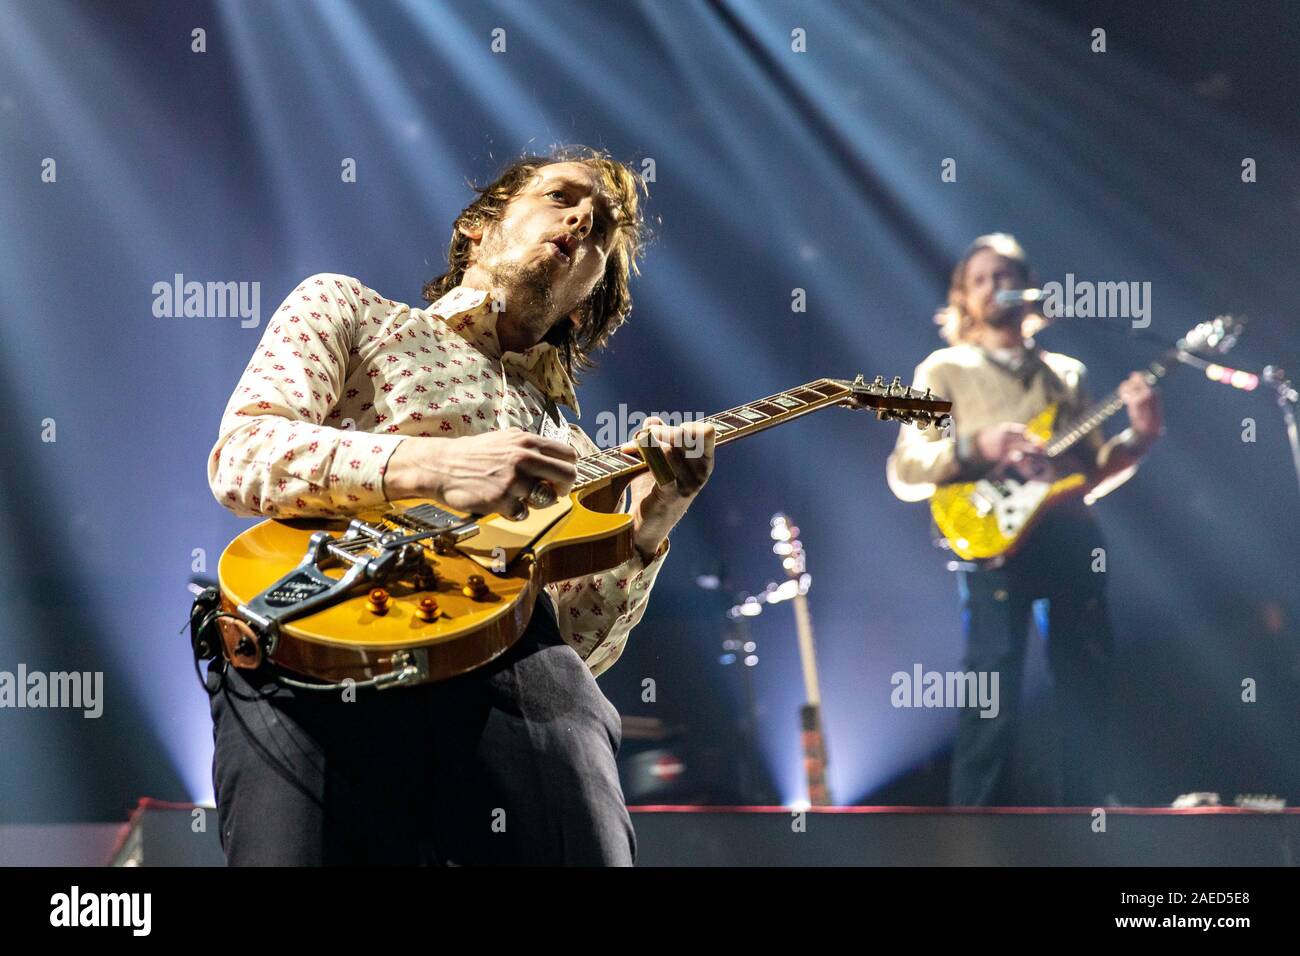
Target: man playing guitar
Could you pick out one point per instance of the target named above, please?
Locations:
(999, 380)
(352, 400)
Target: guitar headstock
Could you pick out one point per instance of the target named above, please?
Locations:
(898, 402)
(1217, 336)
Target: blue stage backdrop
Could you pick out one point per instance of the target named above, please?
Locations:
(794, 151)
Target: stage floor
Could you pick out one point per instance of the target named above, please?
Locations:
(173, 834)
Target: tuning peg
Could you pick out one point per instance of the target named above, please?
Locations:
(879, 382)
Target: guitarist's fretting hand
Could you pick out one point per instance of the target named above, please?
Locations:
(655, 509)
(481, 474)
(1142, 402)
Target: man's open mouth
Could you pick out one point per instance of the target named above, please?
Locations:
(566, 245)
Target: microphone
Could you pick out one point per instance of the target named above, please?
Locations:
(1019, 296)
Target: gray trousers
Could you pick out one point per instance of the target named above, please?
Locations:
(510, 764)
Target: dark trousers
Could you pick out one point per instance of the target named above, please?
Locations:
(1057, 564)
(510, 764)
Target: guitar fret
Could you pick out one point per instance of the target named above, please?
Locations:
(1098, 414)
(766, 409)
(735, 421)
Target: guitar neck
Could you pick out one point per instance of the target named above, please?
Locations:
(1099, 413)
(731, 425)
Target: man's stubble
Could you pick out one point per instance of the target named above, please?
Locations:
(524, 286)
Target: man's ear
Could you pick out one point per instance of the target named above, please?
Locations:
(474, 233)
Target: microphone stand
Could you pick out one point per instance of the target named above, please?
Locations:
(1286, 400)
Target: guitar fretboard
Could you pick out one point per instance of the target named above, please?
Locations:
(733, 424)
(1097, 415)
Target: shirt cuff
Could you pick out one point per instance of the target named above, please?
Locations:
(1134, 442)
(970, 464)
(966, 453)
(383, 469)
(655, 559)
(364, 462)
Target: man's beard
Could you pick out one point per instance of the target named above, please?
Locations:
(1004, 317)
(526, 287)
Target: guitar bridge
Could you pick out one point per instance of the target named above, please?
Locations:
(374, 555)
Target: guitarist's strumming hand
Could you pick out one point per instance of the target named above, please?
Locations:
(481, 474)
(1008, 448)
(656, 509)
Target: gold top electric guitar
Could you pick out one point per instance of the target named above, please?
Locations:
(991, 518)
(420, 592)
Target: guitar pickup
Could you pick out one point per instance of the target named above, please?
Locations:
(980, 499)
(430, 519)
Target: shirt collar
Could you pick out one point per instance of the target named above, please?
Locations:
(468, 312)
(1023, 363)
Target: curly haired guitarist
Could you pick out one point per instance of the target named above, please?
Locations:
(351, 400)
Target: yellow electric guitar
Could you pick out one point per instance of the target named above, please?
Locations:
(420, 592)
(992, 517)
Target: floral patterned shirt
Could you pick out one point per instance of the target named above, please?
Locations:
(342, 376)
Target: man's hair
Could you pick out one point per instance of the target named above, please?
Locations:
(954, 320)
(610, 301)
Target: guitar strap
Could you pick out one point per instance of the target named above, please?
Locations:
(1056, 390)
(552, 415)
(1030, 367)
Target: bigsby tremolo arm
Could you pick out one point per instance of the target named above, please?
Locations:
(371, 555)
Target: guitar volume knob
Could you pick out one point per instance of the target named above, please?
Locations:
(427, 609)
(378, 601)
(476, 588)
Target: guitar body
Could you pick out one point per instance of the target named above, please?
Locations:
(991, 518)
(354, 639)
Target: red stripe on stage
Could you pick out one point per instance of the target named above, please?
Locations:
(1014, 811)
